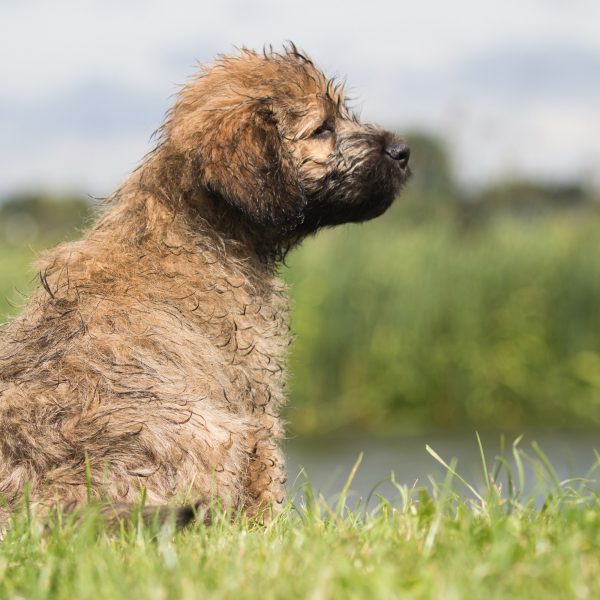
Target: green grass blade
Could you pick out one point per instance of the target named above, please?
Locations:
(486, 476)
(344, 494)
(437, 457)
(546, 463)
(516, 451)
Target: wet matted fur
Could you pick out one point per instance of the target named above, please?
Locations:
(152, 355)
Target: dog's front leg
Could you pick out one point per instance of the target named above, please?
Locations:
(266, 477)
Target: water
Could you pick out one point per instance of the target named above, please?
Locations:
(328, 461)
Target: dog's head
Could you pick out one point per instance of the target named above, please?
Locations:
(273, 138)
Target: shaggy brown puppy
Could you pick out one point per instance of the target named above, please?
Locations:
(152, 353)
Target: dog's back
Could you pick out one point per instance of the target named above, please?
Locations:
(149, 351)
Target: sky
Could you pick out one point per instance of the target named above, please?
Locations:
(512, 86)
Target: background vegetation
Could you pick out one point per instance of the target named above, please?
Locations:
(453, 310)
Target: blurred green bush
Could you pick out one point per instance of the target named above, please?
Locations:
(454, 310)
(425, 327)
(29, 223)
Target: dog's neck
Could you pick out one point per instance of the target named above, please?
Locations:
(142, 210)
(178, 201)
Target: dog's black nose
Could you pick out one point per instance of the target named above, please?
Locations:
(398, 151)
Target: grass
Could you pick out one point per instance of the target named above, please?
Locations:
(453, 539)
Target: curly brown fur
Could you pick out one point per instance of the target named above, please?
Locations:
(152, 354)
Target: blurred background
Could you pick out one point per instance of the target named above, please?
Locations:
(473, 304)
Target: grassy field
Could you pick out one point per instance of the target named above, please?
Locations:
(453, 541)
(399, 327)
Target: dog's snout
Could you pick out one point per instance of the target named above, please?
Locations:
(398, 151)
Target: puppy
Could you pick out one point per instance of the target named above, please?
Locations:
(152, 355)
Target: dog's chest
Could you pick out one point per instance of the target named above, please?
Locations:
(243, 335)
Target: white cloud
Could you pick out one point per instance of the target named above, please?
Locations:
(411, 63)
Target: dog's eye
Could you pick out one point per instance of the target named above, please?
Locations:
(323, 130)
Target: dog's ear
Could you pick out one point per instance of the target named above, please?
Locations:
(242, 158)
